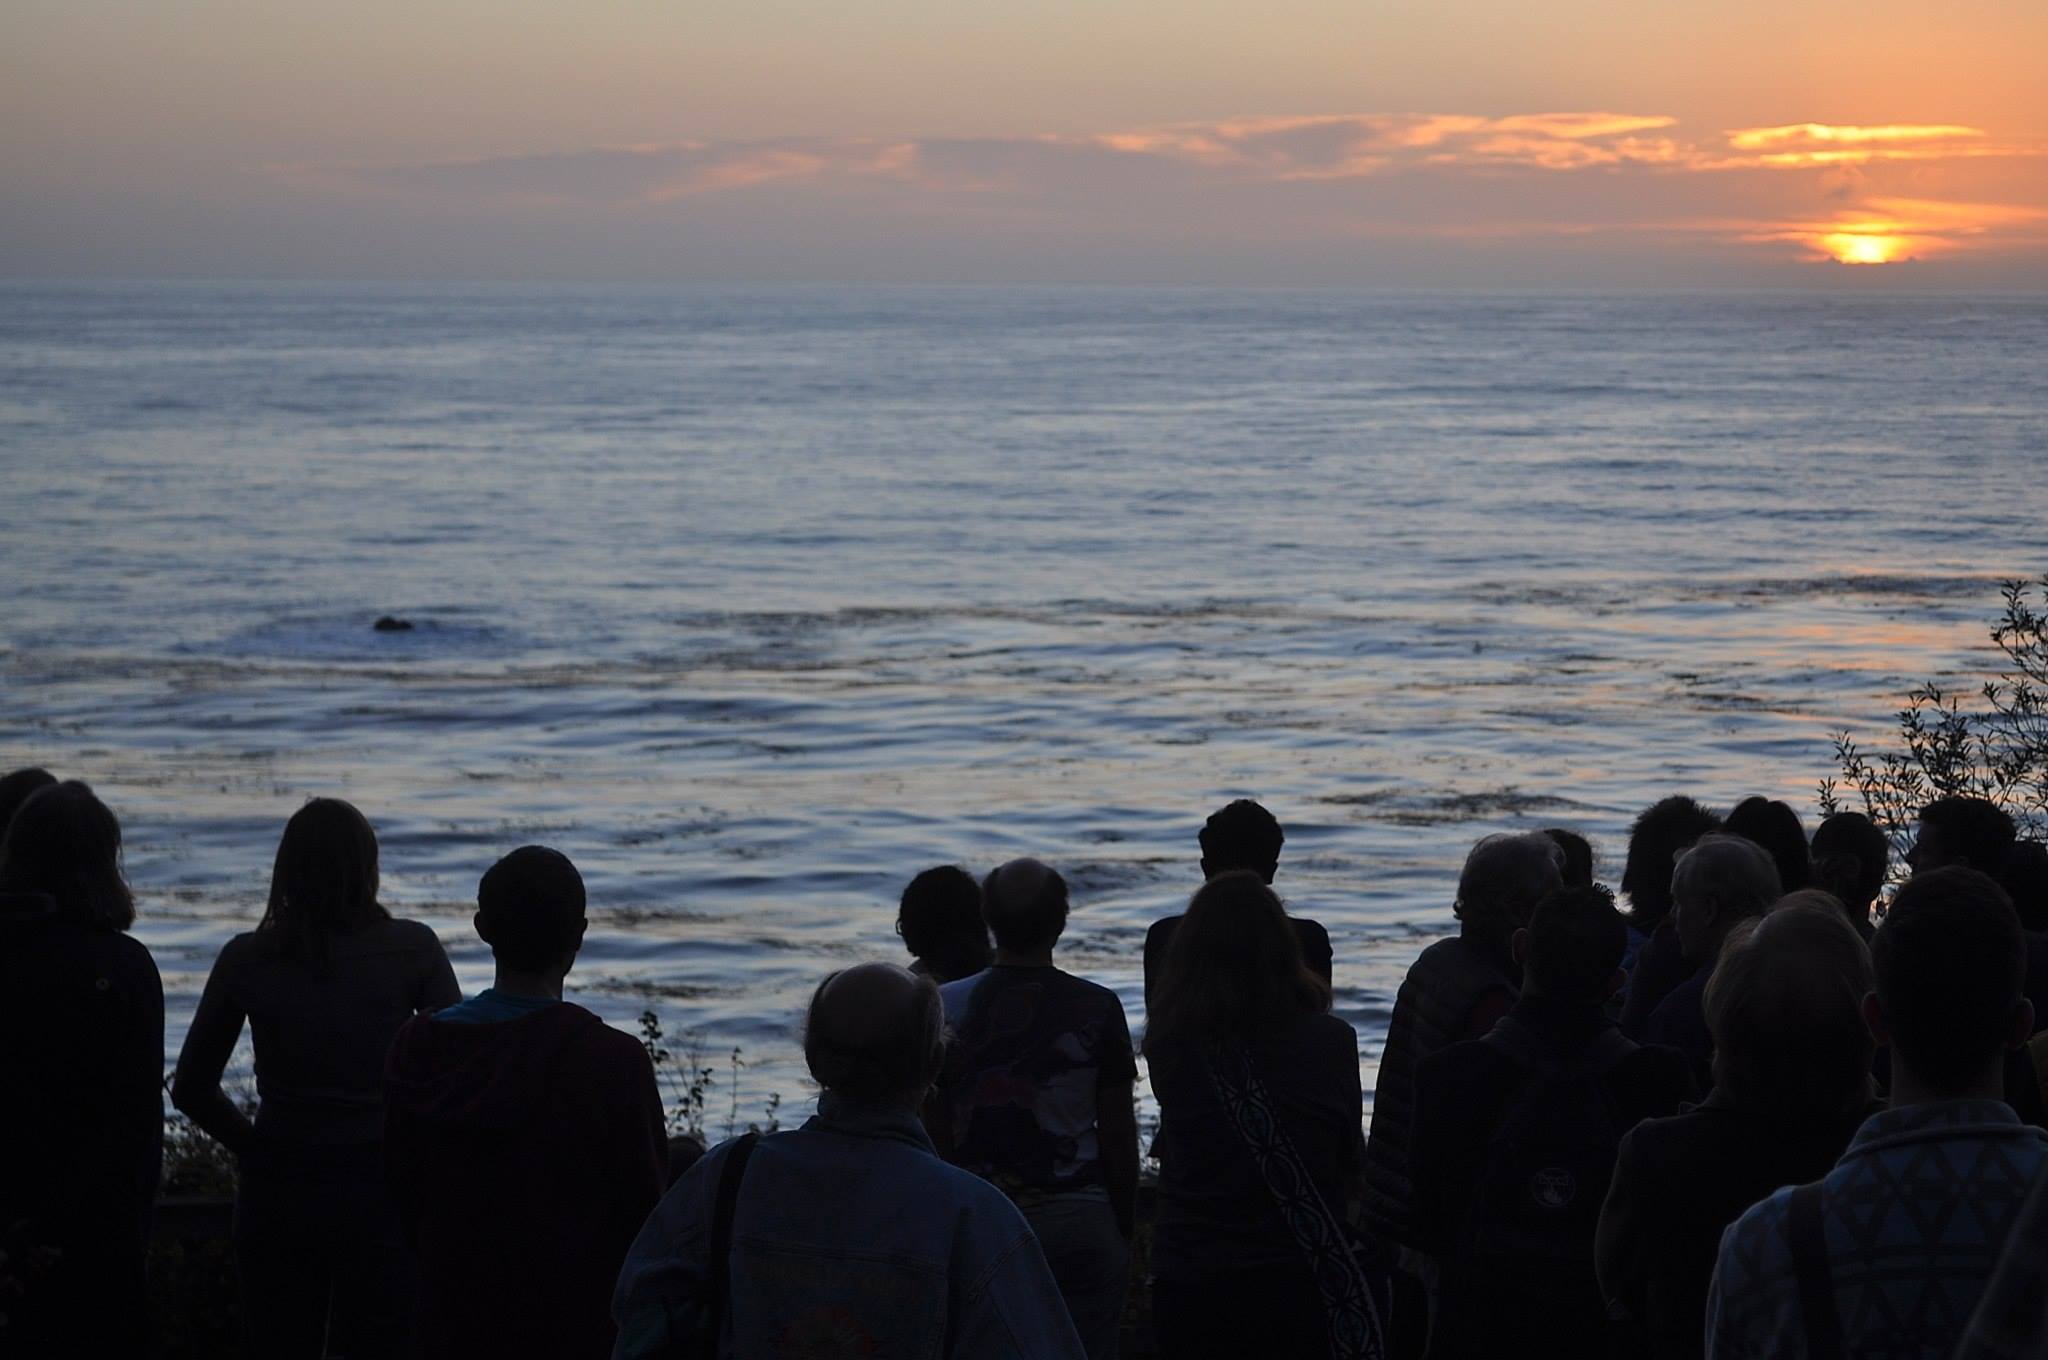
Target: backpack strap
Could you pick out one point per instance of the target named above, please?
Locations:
(1820, 1318)
(2037, 1049)
(729, 1177)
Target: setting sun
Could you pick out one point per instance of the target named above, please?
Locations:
(1848, 247)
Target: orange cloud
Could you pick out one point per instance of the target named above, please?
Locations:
(1804, 146)
(1758, 139)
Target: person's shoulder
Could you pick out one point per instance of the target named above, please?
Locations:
(409, 934)
(243, 945)
(617, 1045)
(1759, 1230)
(1309, 928)
(955, 993)
(1450, 949)
(1160, 930)
(1462, 1065)
(593, 1039)
(243, 951)
(1090, 989)
(1327, 1033)
(1671, 1137)
(131, 957)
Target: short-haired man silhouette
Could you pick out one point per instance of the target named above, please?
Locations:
(523, 1137)
(1239, 836)
(1036, 1097)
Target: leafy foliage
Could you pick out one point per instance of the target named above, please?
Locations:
(686, 1080)
(1998, 750)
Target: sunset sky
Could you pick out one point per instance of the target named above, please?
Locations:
(1679, 143)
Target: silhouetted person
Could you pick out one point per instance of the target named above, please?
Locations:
(1240, 1040)
(1240, 837)
(2011, 1321)
(324, 982)
(1972, 832)
(1719, 883)
(1791, 1085)
(1776, 827)
(1516, 1135)
(15, 788)
(2024, 876)
(81, 1135)
(1978, 834)
(1851, 859)
(848, 1236)
(1036, 1097)
(1889, 1253)
(523, 1137)
(940, 922)
(1456, 990)
(2025, 880)
(1665, 830)
(1578, 856)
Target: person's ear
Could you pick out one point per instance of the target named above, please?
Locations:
(1874, 1020)
(1518, 945)
(477, 923)
(2021, 1027)
(1208, 869)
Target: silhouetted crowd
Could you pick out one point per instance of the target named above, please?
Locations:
(1741, 1118)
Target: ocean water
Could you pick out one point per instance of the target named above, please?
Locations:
(756, 602)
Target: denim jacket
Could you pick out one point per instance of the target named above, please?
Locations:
(850, 1236)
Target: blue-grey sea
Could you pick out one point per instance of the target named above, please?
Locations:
(756, 601)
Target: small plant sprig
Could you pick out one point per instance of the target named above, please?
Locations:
(1997, 752)
(686, 1079)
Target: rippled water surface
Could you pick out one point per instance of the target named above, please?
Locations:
(756, 602)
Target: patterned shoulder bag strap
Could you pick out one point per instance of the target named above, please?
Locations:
(1353, 1313)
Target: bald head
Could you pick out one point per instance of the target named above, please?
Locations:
(875, 1032)
(1025, 905)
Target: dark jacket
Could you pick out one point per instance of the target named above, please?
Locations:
(1463, 1096)
(81, 1142)
(1680, 1022)
(1452, 981)
(1216, 1214)
(1659, 966)
(1678, 1183)
(523, 1158)
(1315, 949)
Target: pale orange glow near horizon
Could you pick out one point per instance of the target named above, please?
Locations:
(1737, 141)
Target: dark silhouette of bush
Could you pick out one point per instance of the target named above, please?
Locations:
(1997, 751)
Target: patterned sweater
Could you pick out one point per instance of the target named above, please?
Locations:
(1914, 1217)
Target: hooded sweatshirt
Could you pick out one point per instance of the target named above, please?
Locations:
(523, 1156)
